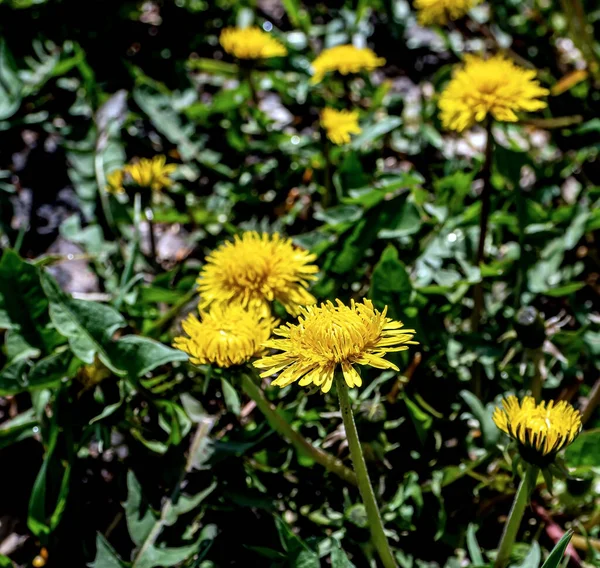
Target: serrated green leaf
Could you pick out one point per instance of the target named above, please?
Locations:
(89, 326)
(106, 557)
(140, 520)
(339, 558)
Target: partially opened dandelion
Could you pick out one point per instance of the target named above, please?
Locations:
(344, 59)
(151, 174)
(339, 124)
(541, 431)
(255, 270)
(494, 88)
(251, 43)
(329, 342)
(430, 12)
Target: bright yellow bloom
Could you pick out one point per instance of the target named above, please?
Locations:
(495, 87)
(440, 11)
(345, 59)
(254, 270)
(152, 174)
(339, 124)
(541, 430)
(332, 336)
(251, 43)
(114, 182)
(226, 335)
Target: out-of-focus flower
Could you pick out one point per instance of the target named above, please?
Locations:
(345, 59)
(540, 430)
(332, 337)
(339, 124)
(114, 182)
(152, 174)
(254, 270)
(495, 87)
(251, 43)
(431, 12)
(226, 335)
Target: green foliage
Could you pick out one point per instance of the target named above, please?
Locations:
(119, 453)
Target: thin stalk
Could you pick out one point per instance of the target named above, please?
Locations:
(521, 202)
(328, 195)
(251, 86)
(511, 527)
(486, 194)
(364, 484)
(150, 219)
(536, 380)
(592, 402)
(279, 424)
(155, 329)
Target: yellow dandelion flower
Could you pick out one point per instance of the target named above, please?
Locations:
(251, 43)
(339, 124)
(331, 337)
(495, 87)
(430, 12)
(114, 182)
(345, 59)
(153, 174)
(226, 335)
(254, 270)
(541, 430)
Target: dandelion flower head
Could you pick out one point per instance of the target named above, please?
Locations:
(339, 124)
(345, 59)
(150, 173)
(430, 12)
(489, 87)
(226, 335)
(333, 337)
(541, 430)
(251, 43)
(114, 181)
(256, 269)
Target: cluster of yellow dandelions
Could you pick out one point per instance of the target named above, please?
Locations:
(238, 284)
(153, 174)
(254, 44)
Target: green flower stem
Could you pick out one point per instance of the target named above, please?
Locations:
(536, 380)
(515, 516)
(364, 484)
(278, 423)
(486, 193)
(150, 219)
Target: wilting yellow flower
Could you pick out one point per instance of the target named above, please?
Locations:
(541, 430)
(114, 182)
(251, 43)
(329, 337)
(152, 174)
(345, 59)
(495, 87)
(339, 124)
(254, 270)
(226, 335)
(440, 11)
